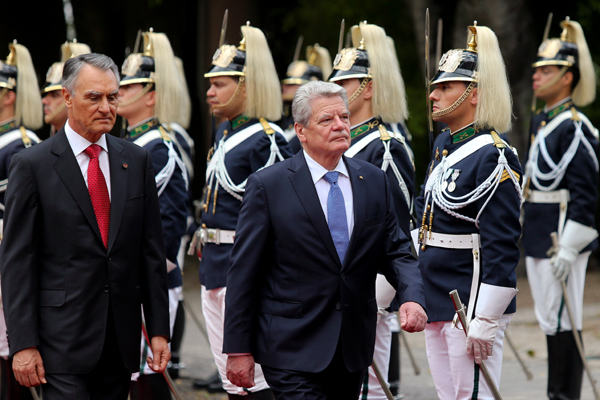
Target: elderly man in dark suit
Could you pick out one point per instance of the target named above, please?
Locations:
(313, 232)
(83, 249)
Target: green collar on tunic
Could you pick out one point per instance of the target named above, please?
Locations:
(464, 134)
(9, 126)
(143, 128)
(364, 128)
(239, 121)
(557, 110)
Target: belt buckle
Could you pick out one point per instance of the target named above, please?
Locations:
(217, 235)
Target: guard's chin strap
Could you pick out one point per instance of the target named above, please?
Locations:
(358, 91)
(238, 89)
(3, 93)
(50, 117)
(560, 74)
(138, 96)
(457, 103)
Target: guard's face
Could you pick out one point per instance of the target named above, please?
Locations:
(351, 85)
(445, 94)
(328, 131)
(288, 92)
(52, 101)
(93, 105)
(221, 90)
(127, 92)
(541, 77)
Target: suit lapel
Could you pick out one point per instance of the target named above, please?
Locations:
(118, 185)
(303, 184)
(359, 203)
(68, 170)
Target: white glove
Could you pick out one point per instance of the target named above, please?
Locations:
(482, 333)
(491, 304)
(562, 262)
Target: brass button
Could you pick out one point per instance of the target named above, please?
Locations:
(225, 132)
(543, 123)
(445, 152)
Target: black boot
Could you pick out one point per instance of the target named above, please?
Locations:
(565, 368)
(175, 364)
(394, 370)
(214, 379)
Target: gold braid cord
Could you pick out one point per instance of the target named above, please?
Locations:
(238, 89)
(50, 117)
(457, 103)
(138, 96)
(358, 91)
(560, 74)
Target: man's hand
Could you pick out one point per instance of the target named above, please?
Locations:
(240, 370)
(29, 368)
(412, 317)
(480, 340)
(160, 354)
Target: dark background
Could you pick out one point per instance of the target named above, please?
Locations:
(193, 27)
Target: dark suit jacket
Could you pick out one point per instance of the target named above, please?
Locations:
(58, 279)
(289, 299)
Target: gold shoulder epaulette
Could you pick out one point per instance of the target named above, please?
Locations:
(497, 141)
(383, 133)
(24, 137)
(163, 134)
(575, 116)
(266, 127)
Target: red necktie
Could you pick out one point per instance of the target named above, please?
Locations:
(98, 191)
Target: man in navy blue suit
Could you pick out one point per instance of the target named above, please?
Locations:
(310, 240)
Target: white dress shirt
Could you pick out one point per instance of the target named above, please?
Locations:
(317, 171)
(78, 144)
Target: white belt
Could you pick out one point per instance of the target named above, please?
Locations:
(471, 241)
(555, 196)
(217, 236)
(560, 197)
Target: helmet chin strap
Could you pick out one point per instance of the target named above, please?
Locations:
(358, 91)
(238, 89)
(138, 96)
(553, 81)
(457, 103)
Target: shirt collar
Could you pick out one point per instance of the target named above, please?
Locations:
(78, 143)
(317, 171)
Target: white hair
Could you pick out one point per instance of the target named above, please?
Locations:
(302, 104)
(494, 102)
(28, 105)
(263, 92)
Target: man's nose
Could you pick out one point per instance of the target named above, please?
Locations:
(433, 96)
(210, 92)
(104, 105)
(338, 123)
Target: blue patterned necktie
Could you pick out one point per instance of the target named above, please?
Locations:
(336, 215)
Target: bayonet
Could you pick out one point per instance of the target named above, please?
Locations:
(341, 41)
(223, 28)
(298, 48)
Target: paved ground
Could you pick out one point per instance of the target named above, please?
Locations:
(529, 341)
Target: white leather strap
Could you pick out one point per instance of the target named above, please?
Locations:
(447, 241)
(218, 236)
(475, 280)
(361, 144)
(555, 196)
(148, 137)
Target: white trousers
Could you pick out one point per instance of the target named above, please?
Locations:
(371, 388)
(213, 308)
(174, 295)
(546, 290)
(454, 372)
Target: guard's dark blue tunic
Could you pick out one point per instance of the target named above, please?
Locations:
(241, 161)
(444, 269)
(580, 179)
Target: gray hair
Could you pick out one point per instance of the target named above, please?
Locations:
(301, 107)
(74, 65)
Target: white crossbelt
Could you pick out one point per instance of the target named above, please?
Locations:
(560, 197)
(217, 236)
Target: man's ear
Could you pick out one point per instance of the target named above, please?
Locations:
(68, 97)
(474, 96)
(300, 132)
(151, 98)
(9, 98)
(368, 92)
(567, 79)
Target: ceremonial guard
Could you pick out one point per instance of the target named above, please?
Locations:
(470, 205)
(370, 73)
(55, 110)
(20, 108)
(244, 90)
(151, 94)
(561, 192)
(316, 67)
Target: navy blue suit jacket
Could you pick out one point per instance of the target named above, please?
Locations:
(289, 298)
